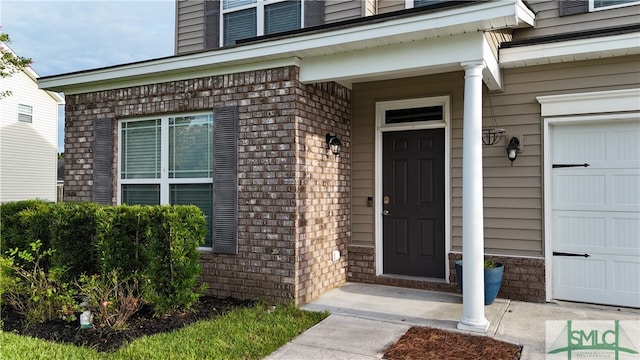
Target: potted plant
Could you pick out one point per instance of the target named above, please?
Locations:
(493, 272)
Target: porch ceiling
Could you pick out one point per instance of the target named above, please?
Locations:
(342, 43)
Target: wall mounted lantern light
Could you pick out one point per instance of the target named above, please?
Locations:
(513, 148)
(333, 144)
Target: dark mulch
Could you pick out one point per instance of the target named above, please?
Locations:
(421, 343)
(141, 324)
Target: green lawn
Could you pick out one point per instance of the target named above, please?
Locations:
(250, 333)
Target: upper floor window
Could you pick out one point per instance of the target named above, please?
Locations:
(609, 4)
(585, 6)
(242, 19)
(25, 113)
(416, 3)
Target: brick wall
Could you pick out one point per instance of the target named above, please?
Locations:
(282, 124)
(80, 113)
(324, 189)
(524, 278)
(361, 268)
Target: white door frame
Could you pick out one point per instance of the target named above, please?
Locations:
(554, 109)
(381, 127)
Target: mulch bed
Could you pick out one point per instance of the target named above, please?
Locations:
(141, 324)
(421, 343)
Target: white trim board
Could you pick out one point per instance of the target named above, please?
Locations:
(590, 102)
(381, 127)
(570, 50)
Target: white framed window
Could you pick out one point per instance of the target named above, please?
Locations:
(25, 113)
(595, 5)
(168, 160)
(242, 19)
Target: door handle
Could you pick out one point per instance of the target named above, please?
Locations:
(386, 213)
(555, 166)
(555, 253)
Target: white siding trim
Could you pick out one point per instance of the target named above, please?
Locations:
(591, 102)
(381, 127)
(571, 50)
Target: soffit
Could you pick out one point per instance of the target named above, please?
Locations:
(570, 50)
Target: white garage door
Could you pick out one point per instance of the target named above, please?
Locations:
(596, 212)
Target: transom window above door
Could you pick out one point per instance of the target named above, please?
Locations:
(429, 113)
(243, 19)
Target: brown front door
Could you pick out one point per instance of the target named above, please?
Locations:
(413, 203)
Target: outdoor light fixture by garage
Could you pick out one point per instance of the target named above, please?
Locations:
(333, 144)
(513, 148)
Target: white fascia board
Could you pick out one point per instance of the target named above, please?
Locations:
(570, 50)
(491, 74)
(145, 78)
(398, 60)
(590, 102)
(477, 17)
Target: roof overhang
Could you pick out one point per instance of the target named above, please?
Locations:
(342, 43)
(571, 50)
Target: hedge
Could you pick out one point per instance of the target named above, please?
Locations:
(157, 244)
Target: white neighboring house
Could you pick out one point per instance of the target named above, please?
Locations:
(28, 138)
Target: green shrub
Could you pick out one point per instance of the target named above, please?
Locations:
(73, 233)
(33, 292)
(156, 245)
(120, 238)
(173, 238)
(23, 222)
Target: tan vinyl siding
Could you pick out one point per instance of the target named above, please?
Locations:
(189, 26)
(513, 205)
(338, 10)
(385, 6)
(364, 97)
(549, 22)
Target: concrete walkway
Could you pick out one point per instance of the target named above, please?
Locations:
(366, 319)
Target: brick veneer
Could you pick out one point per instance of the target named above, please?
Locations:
(524, 278)
(324, 190)
(362, 269)
(293, 198)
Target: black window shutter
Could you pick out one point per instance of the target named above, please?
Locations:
(571, 7)
(225, 194)
(102, 152)
(211, 24)
(313, 13)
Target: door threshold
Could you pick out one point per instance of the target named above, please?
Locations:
(414, 278)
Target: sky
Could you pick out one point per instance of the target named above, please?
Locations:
(74, 35)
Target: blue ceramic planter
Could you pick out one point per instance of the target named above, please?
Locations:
(492, 281)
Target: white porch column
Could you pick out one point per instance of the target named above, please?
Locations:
(473, 318)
